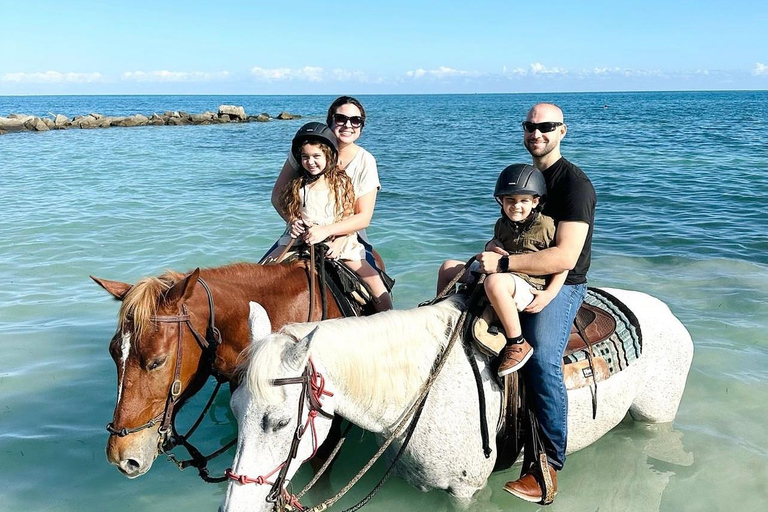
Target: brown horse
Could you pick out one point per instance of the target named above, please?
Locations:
(161, 357)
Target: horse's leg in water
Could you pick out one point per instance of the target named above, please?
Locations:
(667, 355)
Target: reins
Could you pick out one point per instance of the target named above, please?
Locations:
(312, 392)
(407, 425)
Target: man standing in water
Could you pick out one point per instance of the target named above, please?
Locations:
(571, 203)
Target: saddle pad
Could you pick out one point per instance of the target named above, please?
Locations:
(624, 346)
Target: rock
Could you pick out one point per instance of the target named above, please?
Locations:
(12, 124)
(137, 120)
(156, 120)
(35, 124)
(171, 114)
(287, 116)
(223, 118)
(21, 117)
(60, 121)
(234, 112)
(89, 121)
(261, 118)
(198, 118)
(176, 121)
(49, 123)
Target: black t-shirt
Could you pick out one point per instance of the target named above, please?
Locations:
(571, 197)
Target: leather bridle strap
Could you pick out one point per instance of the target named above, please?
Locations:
(312, 391)
(209, 343)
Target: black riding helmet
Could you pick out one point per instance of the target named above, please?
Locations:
(313, 132)
(518, 179)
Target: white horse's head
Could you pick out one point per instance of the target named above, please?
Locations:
(267, 406)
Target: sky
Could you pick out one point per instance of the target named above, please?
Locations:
(381, 47)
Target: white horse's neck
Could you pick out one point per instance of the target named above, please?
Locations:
(377, 365)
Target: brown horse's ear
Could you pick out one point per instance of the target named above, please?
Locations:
(182, 290)
(116, 288)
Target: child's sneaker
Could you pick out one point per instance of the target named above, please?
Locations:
(514, 356)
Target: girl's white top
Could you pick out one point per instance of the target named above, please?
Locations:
(363, 172)
(317, 203)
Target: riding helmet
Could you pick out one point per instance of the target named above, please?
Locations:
(518, 179)
(313, 132)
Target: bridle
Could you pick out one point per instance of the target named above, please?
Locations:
(312, 392)
(208, 344)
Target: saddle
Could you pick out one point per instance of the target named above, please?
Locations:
(351, 294)
(591, 326)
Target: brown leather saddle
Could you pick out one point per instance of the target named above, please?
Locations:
(591, 326)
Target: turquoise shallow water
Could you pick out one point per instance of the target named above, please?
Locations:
(681, 181)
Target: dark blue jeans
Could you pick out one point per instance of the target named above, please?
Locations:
(547, 332)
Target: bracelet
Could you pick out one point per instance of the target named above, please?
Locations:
(504, 264)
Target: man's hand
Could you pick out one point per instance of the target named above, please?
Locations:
(540, 299)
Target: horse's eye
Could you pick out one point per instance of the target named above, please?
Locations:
(281, 424)
(156, 363)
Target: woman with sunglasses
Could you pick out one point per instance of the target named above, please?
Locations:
(346, 118)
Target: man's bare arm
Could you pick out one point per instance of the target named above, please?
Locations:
(569, 241)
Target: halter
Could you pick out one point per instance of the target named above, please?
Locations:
(312, 391)
(209, 343)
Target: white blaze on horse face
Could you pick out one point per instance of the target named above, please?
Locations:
(125, 349)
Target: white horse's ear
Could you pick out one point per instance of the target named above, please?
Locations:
(297, 354)
(258, 321)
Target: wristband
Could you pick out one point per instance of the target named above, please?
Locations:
(504, 264)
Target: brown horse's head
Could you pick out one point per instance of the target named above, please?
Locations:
(145, 350)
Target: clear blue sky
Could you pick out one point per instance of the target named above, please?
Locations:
(387, 46)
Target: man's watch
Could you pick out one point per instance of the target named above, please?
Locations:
(504, 264)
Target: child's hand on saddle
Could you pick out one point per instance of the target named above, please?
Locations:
(540, 299)
(316, 234)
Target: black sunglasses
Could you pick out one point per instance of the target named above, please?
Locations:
(545, 127)
(354, 121)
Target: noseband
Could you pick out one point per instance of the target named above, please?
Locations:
(312, 391)
(209, 343)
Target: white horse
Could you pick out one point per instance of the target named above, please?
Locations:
(375, 368)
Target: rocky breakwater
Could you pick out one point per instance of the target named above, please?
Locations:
(225, 114)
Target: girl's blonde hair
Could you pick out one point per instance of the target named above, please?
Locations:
(340, 189)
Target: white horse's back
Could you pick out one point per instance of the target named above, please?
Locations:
(386, 351)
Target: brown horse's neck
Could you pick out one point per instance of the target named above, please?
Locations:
(282, 290)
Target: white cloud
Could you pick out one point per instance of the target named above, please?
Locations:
(343, 75)
(536, 68)
(305, 74)
(760, 69)
(51, 77)
(174, 76)
(440, 73)
(270, 75)
(312, 74)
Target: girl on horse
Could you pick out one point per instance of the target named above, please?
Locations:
(318, 203)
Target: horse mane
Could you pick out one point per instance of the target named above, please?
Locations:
(142, 300)
(379, 361)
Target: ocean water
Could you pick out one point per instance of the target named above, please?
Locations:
(682, 215)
